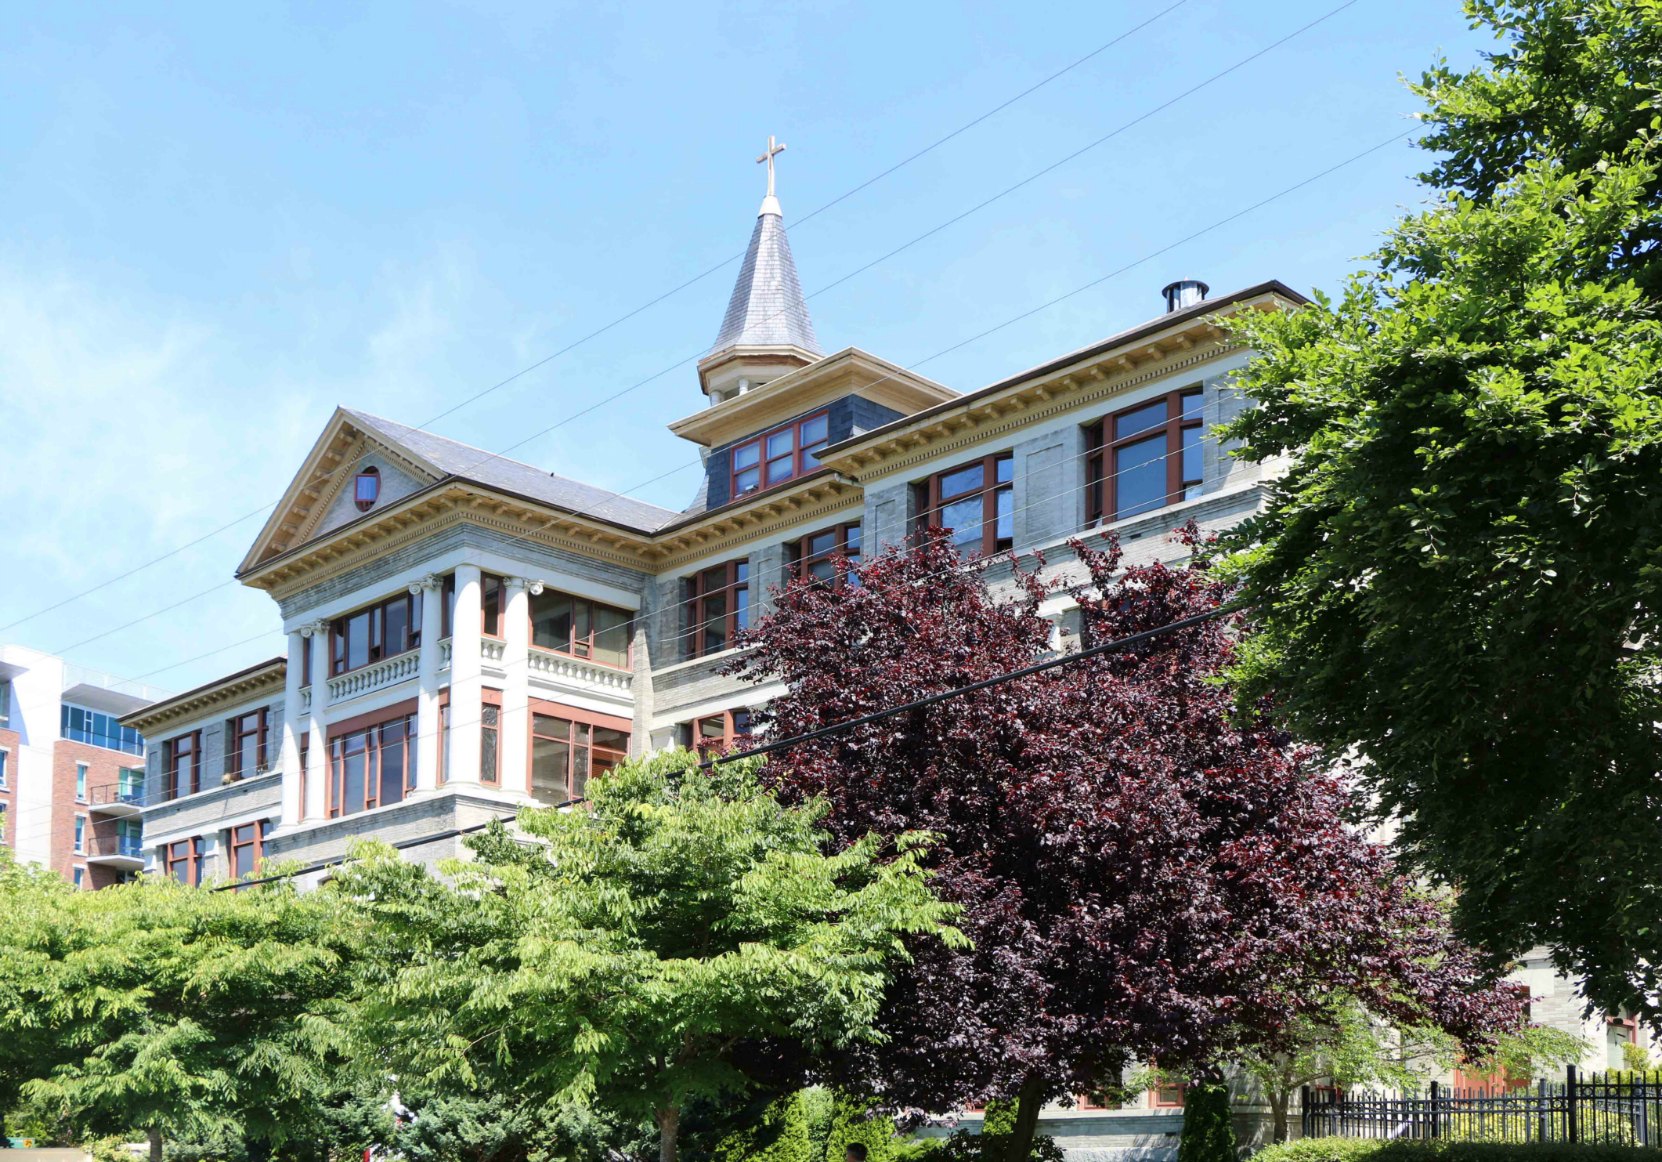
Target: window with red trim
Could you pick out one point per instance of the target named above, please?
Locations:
(383, 630)
(491, 600)
(780, 455)
(566, 754)
(1144, 457)
(718, 607)
(182, 765)
(580, 627)
(974, 503)
(1166, 1095)
(246, 845)
(716, 733)
(372, 767)
(184, 861)
(366, 489)
(815, 555)
(248, 737)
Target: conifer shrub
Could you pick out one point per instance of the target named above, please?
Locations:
(1208, 1132)
(779, 1135)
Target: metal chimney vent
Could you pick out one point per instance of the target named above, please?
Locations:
(1185, 292)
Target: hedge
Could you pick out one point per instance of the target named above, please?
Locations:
(1374, 1150)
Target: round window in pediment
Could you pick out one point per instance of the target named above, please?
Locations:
(367, 489)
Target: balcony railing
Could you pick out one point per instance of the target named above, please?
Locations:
(116, 847)
(127, 792)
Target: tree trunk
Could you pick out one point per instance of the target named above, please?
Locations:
(669, 1122)
(1029, 1100)
(1278, 1115)
(155, 1136)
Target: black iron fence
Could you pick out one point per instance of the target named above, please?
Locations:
(1609, 1109)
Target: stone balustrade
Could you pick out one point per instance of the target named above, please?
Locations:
(374, 677)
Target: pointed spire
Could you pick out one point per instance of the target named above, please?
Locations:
(767, 308)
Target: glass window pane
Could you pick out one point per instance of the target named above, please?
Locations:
(741, 608)
(550, 765)
(814, 430)
(963, 480)
(747, 481)
(580, 772)
(550, 727)
(781, 470)
(780, 444)
(1193, 402)
(352, 781)
(822, 570)
(823, 543)
(1140, 477)
(1191, 456)
(963, 518)
(357, 640)
(741, 571)
(398, 627)
(852, 537)
(392, 765)
(1006, 469)
(1150, 415)
(746, 455)
(611, 636)
(1004, 506)
(606, 738)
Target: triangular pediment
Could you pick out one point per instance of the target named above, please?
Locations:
(321, 497)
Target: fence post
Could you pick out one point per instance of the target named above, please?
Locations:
(1304, 1112)
(1434, 1090)
(1542, 1128)
(1638, 1089)
(1571, 1130)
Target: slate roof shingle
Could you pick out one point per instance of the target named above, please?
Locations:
(767, 308)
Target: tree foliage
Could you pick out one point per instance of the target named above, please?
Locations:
(1141, 870)
(1208, 1129)
(1457, 578)
(684, 937)
(161, 1010)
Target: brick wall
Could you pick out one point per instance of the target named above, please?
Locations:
(10, 742)
(103, 768)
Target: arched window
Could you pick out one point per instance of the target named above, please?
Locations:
(368, 488)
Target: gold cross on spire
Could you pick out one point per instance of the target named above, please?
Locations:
(768, 157)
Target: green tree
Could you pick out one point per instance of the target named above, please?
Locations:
(166, 1010)
(1456, 579)
(780, 1134)
(856, 1119)
(1344, 1044)
(676, 940)
(33, 902)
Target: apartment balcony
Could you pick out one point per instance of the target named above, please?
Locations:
(118, 799)
(376, 676)
(122, 852)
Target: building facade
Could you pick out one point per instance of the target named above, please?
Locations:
(71, 773)
(467, 634)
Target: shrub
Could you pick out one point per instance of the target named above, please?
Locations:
(1366, 1150)
(853, 1119)
(780, 1135)
(1208, 1133)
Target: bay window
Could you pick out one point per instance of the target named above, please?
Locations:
(382, 631)
(372, 766)
(580, 627)
(1144, 457)
(718, 604)
(815, 554)
(566, 753)
(974, 503)
(780, 455)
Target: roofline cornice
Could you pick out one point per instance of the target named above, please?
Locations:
(265, 678)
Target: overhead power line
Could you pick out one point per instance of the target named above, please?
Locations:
(652, 302)
(1048, 304)
(835, 728)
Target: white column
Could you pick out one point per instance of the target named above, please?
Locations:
(289, 755)
(428, 732)
(466, 683)
(317, 748)
(515, 738)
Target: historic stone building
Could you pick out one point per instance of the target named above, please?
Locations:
(467, 633)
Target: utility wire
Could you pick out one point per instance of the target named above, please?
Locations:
(939, 696)
(1216, 225)
(677, 289)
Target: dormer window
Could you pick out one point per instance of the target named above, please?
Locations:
(780, 455)
(367, 489)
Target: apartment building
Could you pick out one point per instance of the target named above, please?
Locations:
(71, 773)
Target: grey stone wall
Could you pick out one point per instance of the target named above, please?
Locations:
(887, 516)
(446, 810)
(1048, 489)
(207, 812)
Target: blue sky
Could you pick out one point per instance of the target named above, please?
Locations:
(219, 221)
